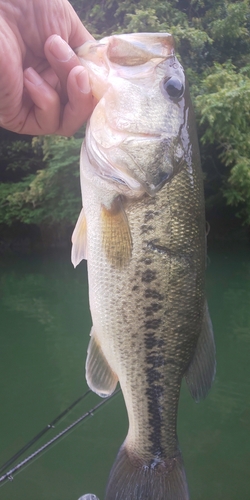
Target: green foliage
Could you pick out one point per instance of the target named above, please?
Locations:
(224, 114)
(98, 17)
(17, 158)
(51, 195)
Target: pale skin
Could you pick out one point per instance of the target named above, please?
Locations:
(43, 87)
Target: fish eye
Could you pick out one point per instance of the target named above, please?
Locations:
(174, 87)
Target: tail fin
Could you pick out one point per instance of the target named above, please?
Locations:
(158, 481)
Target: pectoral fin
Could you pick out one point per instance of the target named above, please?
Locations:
(79, 240)
(116, 237)
(100, 377)
(201, 371)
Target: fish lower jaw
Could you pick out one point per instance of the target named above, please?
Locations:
(114, 165)
(107, 172)
(123, 182)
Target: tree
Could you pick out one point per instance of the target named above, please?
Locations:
(49, 196)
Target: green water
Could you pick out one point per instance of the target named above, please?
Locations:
(44, 331)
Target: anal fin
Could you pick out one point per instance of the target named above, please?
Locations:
(100, 377)
(201, 371)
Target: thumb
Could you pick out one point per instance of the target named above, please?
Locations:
(11, 82)
(80, 101)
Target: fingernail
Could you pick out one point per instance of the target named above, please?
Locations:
(31, 75)
(83, 81)
(60, 49)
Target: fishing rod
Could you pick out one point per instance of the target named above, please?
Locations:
(42, 432)
(9, 475)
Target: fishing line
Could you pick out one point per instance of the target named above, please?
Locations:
(9, 475)
(42, 432)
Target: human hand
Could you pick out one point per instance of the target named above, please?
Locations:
(43, 88)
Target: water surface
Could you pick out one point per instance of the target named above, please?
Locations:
(44, 332)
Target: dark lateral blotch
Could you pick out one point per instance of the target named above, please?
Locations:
(148, 276)
(153, 308)
(150, 293)
(153, 324)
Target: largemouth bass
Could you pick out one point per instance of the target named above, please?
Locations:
(142, 231)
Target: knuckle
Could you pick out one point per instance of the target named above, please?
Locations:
(13, 124)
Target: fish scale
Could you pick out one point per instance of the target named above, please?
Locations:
(142, 230)
(127, 354)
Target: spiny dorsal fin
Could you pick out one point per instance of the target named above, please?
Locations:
(79, 240)
(100, 377)
(116, 237)
(201, 371)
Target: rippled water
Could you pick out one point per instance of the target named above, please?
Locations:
(44, 331)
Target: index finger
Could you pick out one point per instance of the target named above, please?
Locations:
(62, 59)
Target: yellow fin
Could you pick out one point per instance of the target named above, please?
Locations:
(116, 237)
(79, 240)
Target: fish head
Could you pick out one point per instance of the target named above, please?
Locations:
(137, 135)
